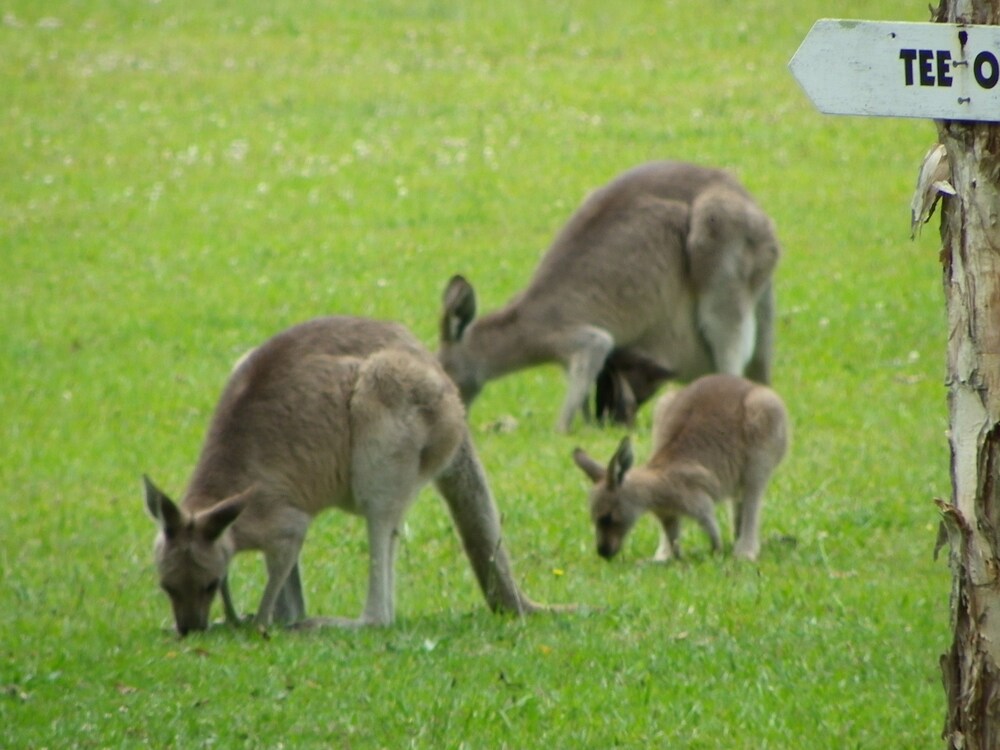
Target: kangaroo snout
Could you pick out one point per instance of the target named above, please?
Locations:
(186, 622)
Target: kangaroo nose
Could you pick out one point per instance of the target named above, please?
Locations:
(606, 551)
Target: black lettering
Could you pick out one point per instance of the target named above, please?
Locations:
(986, 69)
(926, 57)
(908, 56)
(943, 67)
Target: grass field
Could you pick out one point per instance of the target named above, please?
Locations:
(178, 181)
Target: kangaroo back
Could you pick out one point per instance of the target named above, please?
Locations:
(673, 180)
(720, 422)
(617, 263)
(283, 419)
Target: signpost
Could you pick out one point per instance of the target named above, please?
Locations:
(883, 68)
(949, 72)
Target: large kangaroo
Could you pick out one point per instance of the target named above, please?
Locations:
(719, 438)
(670, 263)
(336, 412)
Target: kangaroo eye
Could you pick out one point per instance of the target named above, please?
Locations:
(212, 586)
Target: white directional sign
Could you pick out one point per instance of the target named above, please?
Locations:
(929, 70)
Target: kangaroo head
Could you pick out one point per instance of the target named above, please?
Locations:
(612, 509)
(192, 554)
(458, 361)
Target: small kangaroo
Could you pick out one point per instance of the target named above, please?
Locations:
(720, 437)
(335, 412)
(625, 382)
(670, 263)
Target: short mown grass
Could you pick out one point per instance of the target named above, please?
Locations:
(180, 181)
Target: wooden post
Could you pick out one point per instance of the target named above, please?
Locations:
(970, 256)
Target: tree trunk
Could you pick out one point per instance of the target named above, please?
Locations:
(970, 256)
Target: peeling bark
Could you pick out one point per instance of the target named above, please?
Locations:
(970, 258)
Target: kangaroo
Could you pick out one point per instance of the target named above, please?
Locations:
(337, 412)
(627, 380)
(670, 262)
(720, 437)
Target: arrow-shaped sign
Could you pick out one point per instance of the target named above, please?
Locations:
(929, 70)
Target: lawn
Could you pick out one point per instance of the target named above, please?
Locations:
(178, 181)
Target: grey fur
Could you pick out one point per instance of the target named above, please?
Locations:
(719, 438)
(336, 412)
(670, 261)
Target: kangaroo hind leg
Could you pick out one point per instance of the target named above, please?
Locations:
(767, 431)
(406, 421)
(732, 252)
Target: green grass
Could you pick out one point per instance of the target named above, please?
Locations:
(179, 181)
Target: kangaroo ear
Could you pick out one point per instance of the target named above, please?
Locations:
(620, 463)
(589, 466)
(459, 309)
(162, 508)
(211, 523)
